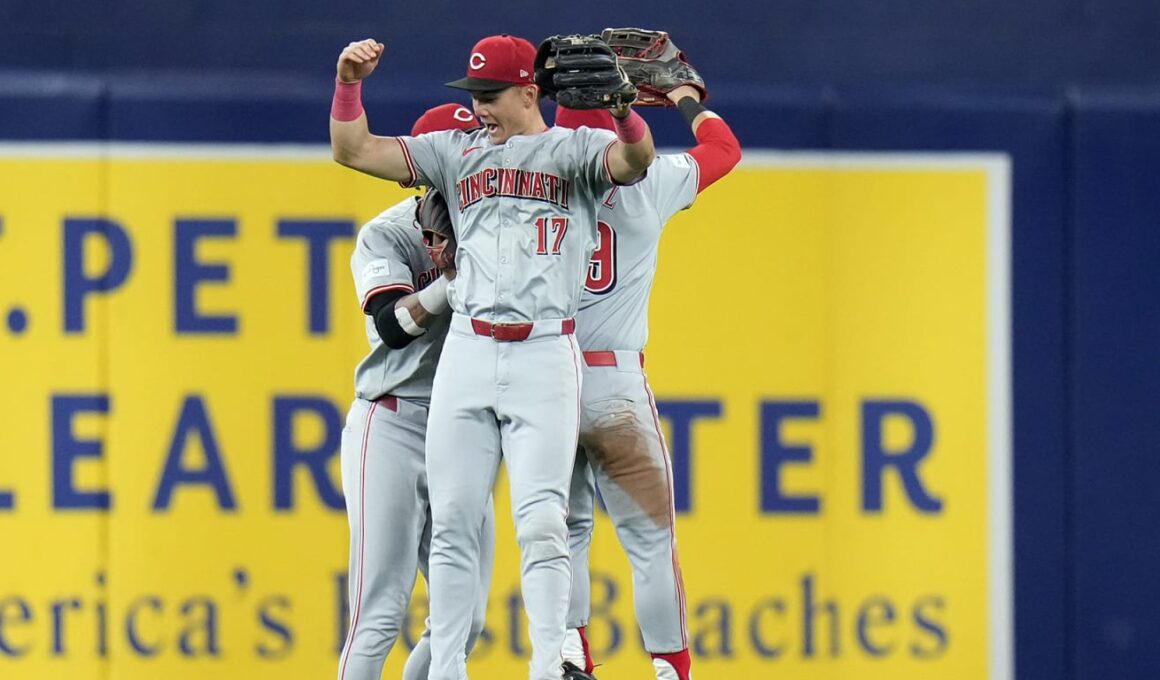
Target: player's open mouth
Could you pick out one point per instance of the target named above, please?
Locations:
(492, 128)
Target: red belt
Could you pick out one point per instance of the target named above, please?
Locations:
(601, 359)
(514, 332)
(389, 402)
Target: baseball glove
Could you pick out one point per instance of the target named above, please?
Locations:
(580, 72)
(438, 235)
(653, 63)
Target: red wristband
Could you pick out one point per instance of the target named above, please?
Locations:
(347, 103)
(630, 129)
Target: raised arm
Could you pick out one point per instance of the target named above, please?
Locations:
(351, 141)
(717, 151)
(633, 151)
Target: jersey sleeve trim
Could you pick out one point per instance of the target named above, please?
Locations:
(697, 168)
(608, 169)
(380, 289)
(410, 164)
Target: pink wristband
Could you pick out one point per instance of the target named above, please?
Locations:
(347, 103)
(631, 129)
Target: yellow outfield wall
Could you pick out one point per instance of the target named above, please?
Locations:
(178, 333)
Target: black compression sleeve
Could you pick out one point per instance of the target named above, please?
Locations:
(690, 108)
(381, 308)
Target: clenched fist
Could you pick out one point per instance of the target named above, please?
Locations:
(358, 60)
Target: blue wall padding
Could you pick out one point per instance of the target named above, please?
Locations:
(1115, 404)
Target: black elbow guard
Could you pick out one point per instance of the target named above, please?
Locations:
(381, 308)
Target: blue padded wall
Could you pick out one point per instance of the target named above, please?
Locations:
(51, 106)
(849, 41)
(1115, 406)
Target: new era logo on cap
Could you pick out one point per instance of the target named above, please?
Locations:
(498, 62)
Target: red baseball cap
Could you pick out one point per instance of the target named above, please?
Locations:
(498, 62)
(597, 119)
(445, 117)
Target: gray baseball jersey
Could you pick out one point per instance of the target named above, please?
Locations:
(614, 307)
(384, 463)
(523, 215)
(621, 446)
(389, 255)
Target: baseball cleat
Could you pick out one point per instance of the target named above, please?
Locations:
(571, 672)
(665, 671)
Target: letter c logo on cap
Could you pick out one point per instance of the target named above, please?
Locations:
(477, 61)
(462, 114)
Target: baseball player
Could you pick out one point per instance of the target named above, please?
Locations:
(620, 437)
(383, 460)
(524, 200)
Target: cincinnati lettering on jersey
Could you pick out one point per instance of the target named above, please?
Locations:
(425, 278)
(512, 183)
